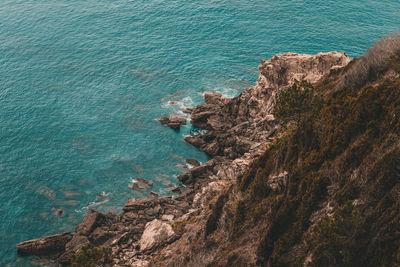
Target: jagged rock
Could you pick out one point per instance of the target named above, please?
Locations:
(175, 190)
(163, 120)
(49, 245)
(184, 178)
(278, 182)
(201, 171)
(167, 217)
(153, 194)
(195, 140)
(187, 110)
(100, 235)
(137, 186)
(213, 98)
(155, 233)
(136, 204)
(173, 122)
(90, 222)
(144, 182)
(193, 162)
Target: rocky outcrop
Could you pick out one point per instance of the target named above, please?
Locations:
(240, 125)
(173, 122)
(50, 245)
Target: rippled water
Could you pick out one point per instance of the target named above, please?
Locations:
(81, 83)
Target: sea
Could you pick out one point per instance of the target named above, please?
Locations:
(82, 83)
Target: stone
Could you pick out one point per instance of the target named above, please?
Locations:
(187, 110)
(167, 217)
(137, 186)
(193, 162)
(49, 245)
(155, 233)
(184, 178)
(144, 182)
(195, 140)
(174, 122)
(90, 222)
(163, 120)
(100, 235)
(153, 194)
(175, 190)
(137, 204)
(213, 98)
(200, 171)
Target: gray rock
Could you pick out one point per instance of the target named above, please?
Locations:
(155, 233)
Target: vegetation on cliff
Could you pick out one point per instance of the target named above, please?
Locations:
(340, 200)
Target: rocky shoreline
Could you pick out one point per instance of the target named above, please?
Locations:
(164, 231)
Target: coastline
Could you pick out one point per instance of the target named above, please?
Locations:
(237, 131)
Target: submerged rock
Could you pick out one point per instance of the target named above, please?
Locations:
(137, 186)
(144, 182)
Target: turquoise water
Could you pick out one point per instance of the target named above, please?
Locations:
(81, 83)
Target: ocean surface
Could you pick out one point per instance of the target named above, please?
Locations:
(82, 82)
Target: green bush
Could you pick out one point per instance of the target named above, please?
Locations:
(91, 256)
(293, 102)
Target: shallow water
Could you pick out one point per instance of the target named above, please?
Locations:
(81, 83)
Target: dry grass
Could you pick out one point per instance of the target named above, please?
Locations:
(373, 63)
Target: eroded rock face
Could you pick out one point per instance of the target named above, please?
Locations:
(239, 125)
(49, 245)
(155, 233)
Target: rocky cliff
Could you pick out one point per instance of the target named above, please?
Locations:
(318, 190)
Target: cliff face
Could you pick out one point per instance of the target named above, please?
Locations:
(315, 184)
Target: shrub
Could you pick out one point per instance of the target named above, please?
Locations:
(293, 102)
(372, 63)
(91, 256)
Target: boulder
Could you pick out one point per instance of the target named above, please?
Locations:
(136, 204)
(163, 120)
(184, 178)
(144, 182)
(173, 122)
(90, 222)
(195, 140)
(100, 235)
(175, 190)
(155, 233)
(46, 246)
(153, 194)
(187, 110)
(213, 98)
(176, 122)
(193, 162)
(137, 186)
